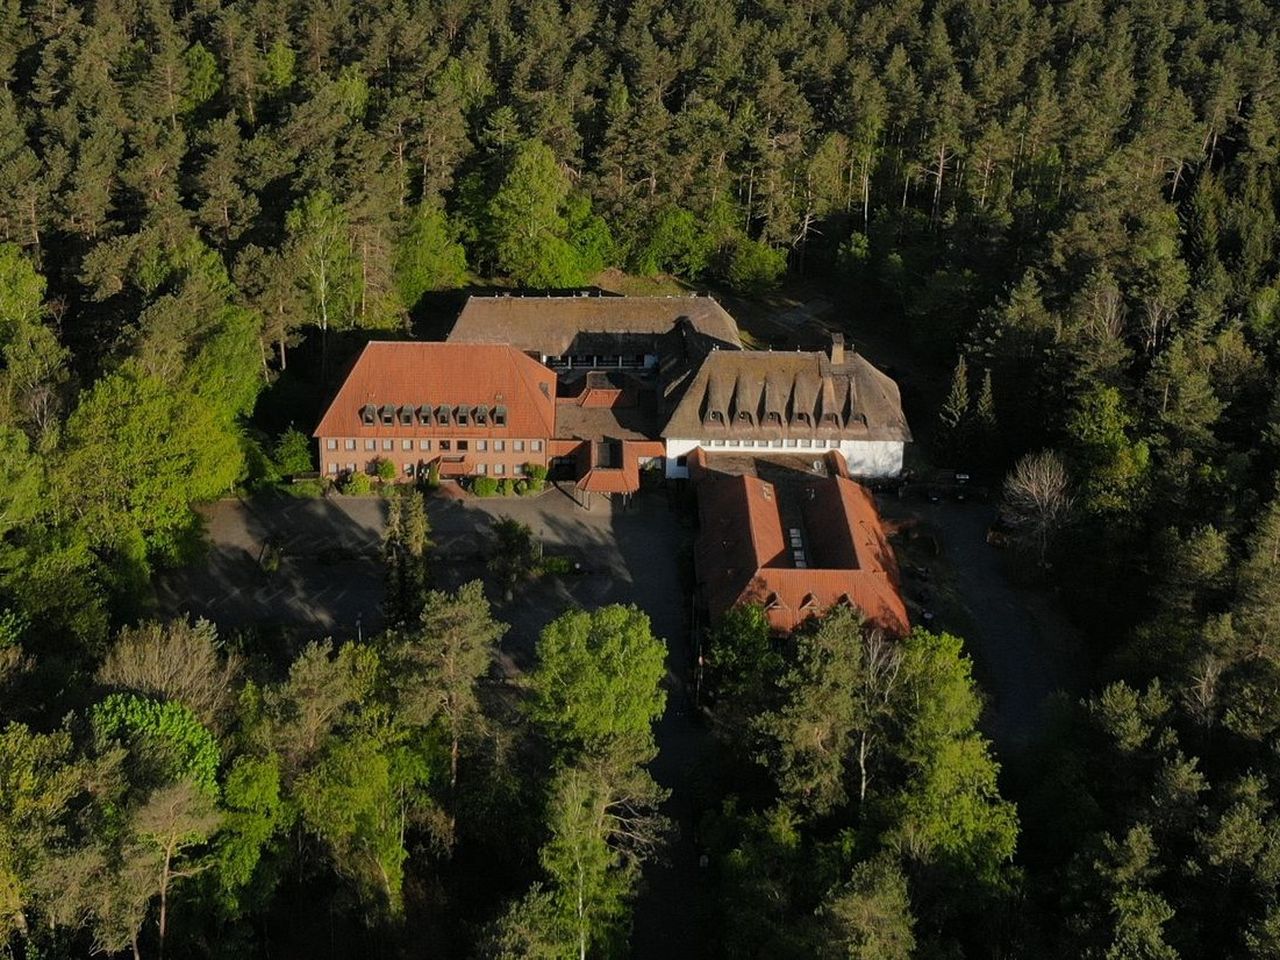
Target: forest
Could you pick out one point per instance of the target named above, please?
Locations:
(1067, 207)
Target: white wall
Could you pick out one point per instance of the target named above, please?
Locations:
(866, 458)
(873, 458)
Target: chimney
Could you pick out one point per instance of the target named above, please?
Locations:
(837, 349)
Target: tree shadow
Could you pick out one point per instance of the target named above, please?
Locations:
(327, 577)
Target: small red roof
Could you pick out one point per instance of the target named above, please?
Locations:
(622, 479)
(401, 373)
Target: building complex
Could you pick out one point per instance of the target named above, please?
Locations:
(603, 391)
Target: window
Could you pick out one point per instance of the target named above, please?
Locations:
(717, 417)
(482, 416)
(806, 444)
(748, 443)
(388, 444)
(331, 444)
(682, 461)
(481, 469)
(463, 416)
(333, 468)
(388, 415)
(819, 444)
(442, 416)
(424, 444)
(776, 443)
(500, 416)
(462, 445)
(518, 469)
(791, 442)
(535, 446)
(406, 444)
(717, 443)
(517, 446)
(499, 469)
(446, 445)
(424, 415)
(371, 444)
(499, 445)
(408, 469)
(482, 445)
(349, 444)
(406, 416)
(368, 415)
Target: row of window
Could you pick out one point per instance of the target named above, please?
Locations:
(427, 415)
(481, 446)
(774, 419)
(481, 469)
(789, 442)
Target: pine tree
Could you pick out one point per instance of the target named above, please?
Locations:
(954, 415)
(984, 420)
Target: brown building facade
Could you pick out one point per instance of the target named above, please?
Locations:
(468, 409)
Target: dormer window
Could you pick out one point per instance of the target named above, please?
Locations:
(463, 416)
(773, 418)
(801, 417)
(744, 416)
(368, 414)
(809, 602)
(500, 416)
(442, 416)
(482, 416)
(406, 416)
(716, 417)
(830, 420)
(424, 415)
(388, 415)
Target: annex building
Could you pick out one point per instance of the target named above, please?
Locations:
(604, 391)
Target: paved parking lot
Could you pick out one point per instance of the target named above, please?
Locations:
(329, 573)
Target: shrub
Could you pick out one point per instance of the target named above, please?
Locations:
(522, 487)
(260, 469)
(293, 452)
(385, 469)
(507, 487)
(484, 486)
(304, 489)
(557, 564)
(357, 484)
(753, 266)
(535, 472)
(433, 476)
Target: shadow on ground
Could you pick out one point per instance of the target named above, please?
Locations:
(329, 575)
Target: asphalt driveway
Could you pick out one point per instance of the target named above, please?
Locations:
(1023, 647)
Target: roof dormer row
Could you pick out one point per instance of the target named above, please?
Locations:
(432, 415)
(778, 402)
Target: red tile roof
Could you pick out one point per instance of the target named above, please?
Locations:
(623, 479)
(444, 374)
(744, 555)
